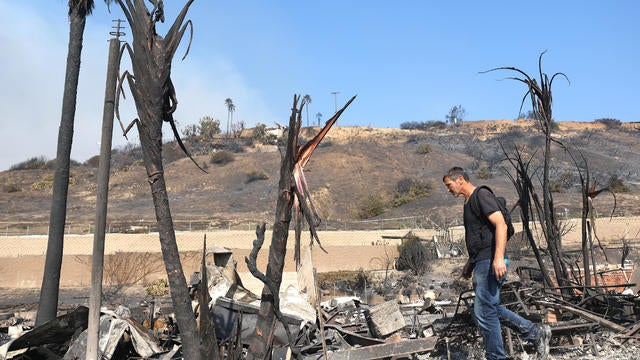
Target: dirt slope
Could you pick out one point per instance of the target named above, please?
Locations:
(351, 164)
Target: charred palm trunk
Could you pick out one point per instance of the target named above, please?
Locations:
(150, 131)
(49, 291)
(154, 95)
(278, 249)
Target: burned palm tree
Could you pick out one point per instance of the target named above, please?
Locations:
(155, 98)
(49, 291)
(539, 93)
(294, 199)
(529, 203)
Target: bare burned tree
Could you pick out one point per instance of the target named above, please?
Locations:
(588, 193)
(526, 192)
(541, 101)
(154, 95)
(527, 201)
(293, 194)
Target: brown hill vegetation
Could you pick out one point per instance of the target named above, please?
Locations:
(357, 172)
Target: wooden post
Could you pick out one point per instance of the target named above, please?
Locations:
(104, 167)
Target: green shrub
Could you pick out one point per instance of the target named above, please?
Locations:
(256, 175)
(362, 278)
(221, 158)
(556, 186)
(409, 189)
(609, 123)
(32, 164)
(562, 182)
(353, 279)
(413, 255)
(43, 184)
(159, 287)
(206, 130)
(372, 206)
(93, 161)
(11, 188)
(260, 135)
(46, 182)
(422, 125)
(424, 149)
(484, 173)
(617, 185)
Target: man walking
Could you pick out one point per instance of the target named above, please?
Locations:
(486, 240)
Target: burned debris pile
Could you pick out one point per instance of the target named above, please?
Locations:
(436, 324)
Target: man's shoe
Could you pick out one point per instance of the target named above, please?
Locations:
(543, 342)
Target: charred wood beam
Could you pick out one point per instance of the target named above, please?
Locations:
(382, 351)
(631, 333)
(584, 314)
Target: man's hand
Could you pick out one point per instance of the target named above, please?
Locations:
(499, 268)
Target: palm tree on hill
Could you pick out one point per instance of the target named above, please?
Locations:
(49, 290)
(230, 109)
(319, 117)
(306, 100)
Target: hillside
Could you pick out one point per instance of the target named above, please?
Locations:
(352, 164)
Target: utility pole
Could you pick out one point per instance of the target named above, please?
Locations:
(104, 166)
(335, 100)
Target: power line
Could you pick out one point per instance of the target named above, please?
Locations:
(335, 99)
(118, 28)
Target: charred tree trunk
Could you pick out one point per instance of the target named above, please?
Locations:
(524, 187)
(49, 291)
(293, 193)
(585, 242)
(277, 252)
(554, 240)
(541, 101)
(154, 95)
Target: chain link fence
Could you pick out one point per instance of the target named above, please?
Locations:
(350, 246)
(340, 233)
(147, 226)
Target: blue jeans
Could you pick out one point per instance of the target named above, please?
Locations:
(489, 313)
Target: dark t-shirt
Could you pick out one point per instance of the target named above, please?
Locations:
(479, 236)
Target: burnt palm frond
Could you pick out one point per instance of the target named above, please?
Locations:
(539, 93)
(305, 152)
(304, 206)
(83, 7)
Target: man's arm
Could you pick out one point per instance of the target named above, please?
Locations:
(500, 226)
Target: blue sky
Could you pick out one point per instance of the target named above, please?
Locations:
(406, 61)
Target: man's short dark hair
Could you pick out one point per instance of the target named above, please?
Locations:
(454, 172)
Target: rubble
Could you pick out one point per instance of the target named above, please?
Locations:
(427, 318)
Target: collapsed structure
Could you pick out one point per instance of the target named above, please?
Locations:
(345, 327)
